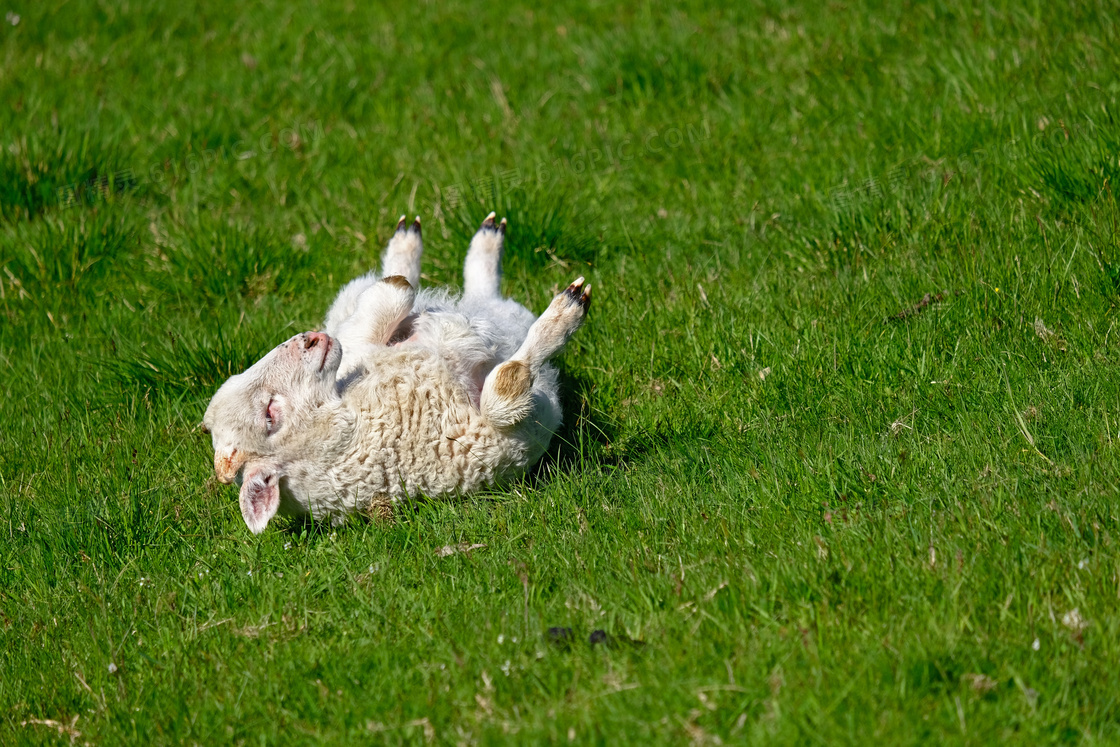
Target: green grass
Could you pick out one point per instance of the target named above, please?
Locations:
(829, 520)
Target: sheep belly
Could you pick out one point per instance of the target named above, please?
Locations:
(417, 433)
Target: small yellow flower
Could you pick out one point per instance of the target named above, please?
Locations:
(997, 290)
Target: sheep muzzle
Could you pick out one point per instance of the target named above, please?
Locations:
(227, 465)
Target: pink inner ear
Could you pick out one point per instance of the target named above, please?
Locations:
(260, 498)
(274, 415)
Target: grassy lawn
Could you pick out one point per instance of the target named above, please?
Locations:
(842, 443)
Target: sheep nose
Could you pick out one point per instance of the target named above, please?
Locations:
(311, 339)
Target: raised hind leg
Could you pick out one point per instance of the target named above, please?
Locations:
(507, 392)
(482, 271)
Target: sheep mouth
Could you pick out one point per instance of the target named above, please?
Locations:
(327, 348)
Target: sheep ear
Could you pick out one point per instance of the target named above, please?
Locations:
(260, 498)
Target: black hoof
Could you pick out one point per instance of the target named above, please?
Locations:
(579, 293)
(488, 224)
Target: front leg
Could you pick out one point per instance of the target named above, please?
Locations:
(379, 311)
(402, 257)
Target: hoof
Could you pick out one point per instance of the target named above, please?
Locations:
(488, 224)
(402, 224)
(577, 292)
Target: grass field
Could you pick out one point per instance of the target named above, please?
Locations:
(842, 440)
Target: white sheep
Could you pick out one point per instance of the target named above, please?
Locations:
(405, 393)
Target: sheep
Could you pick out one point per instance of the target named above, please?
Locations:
(406, 392)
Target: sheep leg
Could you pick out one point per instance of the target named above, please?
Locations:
(402, 255)
(380, 309)
(482, 271)
(507, 393)
(346, 302)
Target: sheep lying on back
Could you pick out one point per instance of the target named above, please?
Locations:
(404, 393)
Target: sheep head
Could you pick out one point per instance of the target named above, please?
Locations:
(265, 418)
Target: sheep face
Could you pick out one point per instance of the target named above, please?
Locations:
(261, 419)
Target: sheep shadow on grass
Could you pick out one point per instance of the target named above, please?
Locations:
(588, 437)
